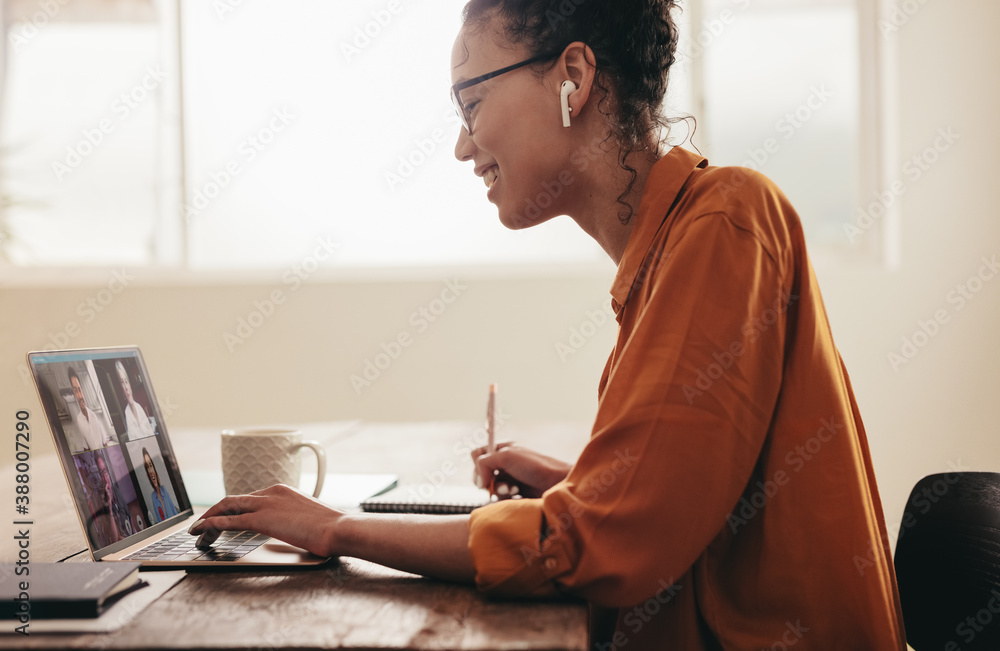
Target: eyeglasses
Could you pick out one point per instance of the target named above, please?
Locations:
(464, 111)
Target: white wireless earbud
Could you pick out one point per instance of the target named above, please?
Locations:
(564, 91)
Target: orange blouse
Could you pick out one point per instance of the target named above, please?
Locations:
(726, 499)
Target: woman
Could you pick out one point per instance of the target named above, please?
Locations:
(112, 517)
(137, 424)
(160, 500)
(726, 498)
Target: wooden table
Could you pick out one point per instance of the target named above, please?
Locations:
(350, 605)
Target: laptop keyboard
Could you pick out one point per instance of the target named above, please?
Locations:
(231, 546)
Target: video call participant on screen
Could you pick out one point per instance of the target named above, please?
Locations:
(137, 424)
(160, 500)
(74, 438)
(89, 424)
(111, 519)
(695, 503)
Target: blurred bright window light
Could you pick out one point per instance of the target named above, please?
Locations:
(80, 126)
(782, 96)
(311, 123)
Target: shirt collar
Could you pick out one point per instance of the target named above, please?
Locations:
(663, 187)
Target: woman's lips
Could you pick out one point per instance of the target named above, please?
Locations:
(490, 177)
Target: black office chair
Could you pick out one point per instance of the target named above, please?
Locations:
(948, 563)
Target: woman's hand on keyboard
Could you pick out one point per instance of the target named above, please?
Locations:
(278, 511)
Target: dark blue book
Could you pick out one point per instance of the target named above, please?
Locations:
(64, 590)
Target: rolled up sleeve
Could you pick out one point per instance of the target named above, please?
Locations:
(506, 546)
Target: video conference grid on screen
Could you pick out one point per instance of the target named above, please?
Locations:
(109, 425)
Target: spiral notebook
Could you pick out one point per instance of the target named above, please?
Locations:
(424, 498)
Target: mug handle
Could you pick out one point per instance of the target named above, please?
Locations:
(320, 463)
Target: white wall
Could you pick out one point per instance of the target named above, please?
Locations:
(940, 409)
(297, 365)
(937, 411)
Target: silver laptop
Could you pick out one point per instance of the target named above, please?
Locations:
(119, 464)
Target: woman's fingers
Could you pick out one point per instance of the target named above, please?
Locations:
(478, 479)
(480, 451)
(208, 529)
(279, 511)
(500, 469)
(233, 513)
(229, 506)
(486, 465)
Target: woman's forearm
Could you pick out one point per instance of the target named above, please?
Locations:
(431, 545)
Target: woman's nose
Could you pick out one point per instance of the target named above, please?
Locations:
(465, 148)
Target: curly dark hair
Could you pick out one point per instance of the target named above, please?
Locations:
(634, 42)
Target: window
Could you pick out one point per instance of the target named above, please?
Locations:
(310, 122)
(796, 91)
(88, 150)
(782, 97)
(346, 132)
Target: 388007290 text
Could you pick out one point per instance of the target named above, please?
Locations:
(22, 457)
(22, 525)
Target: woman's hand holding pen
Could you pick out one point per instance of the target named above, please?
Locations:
(516, 470)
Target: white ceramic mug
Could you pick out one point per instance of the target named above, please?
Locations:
(253, 459)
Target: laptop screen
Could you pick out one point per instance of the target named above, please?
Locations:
(112, 442)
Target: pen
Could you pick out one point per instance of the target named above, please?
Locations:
(491, 423)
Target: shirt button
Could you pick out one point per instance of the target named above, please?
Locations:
(550, 563)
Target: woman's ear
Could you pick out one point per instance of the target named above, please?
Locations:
(577, 65)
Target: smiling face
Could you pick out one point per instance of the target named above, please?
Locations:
(108, 493)
(126, 385)
(78, 394)
(147, 461)
(518, 145)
